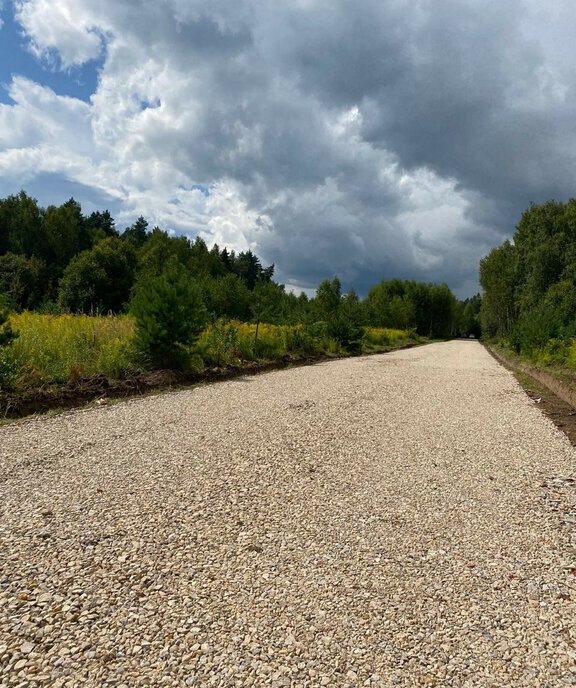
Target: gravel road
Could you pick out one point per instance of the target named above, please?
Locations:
(398, 520)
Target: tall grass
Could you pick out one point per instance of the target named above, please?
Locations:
(66, 348)
(384, 336)
(225, 343)
(60, 348)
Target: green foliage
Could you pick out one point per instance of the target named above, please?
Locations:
(266, 302)
(327, 301)
(158, 249)
(136, 234)
(21, 225)
(8, 365)
(64, 234)
(66, 348)
(498, 276)
(7, 334)
(248, 267)
(470, 318)
(9, 369)
(346, 333)
(219, 345)
(561, 298)
(378, 337)
(430, 309)
(529, 285)
(227, 297)
(534, 328)
(345, 327)
(230, 343)
(99, 279)
(23, 279)
(56, 260)
(339, 318)
(99, 226)
(441, 312)
(170, 314)
(38, 245)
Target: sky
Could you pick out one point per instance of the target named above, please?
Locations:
(369, 139)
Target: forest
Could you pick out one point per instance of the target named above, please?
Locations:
(169, 295)
(529, 289)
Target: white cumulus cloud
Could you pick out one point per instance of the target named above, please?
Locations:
(67, 26)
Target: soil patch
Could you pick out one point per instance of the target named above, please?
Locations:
(559, 410)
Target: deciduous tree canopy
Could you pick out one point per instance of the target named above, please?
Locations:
(57, 258)
(529, 283)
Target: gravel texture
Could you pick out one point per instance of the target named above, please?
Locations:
(398, 520)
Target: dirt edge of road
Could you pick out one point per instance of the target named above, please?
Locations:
(554, 398)
(100, 389)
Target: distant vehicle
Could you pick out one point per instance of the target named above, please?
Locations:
(472, 336)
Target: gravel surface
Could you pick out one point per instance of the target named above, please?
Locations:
(397, 520)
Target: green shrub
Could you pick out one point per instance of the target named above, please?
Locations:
(8, 365)
(384, 336)
(346, 333)
(571, 354)
(7, 334)
(534, 329)
(9, 369)
(170, 315)
(554, 352)
(219, 344)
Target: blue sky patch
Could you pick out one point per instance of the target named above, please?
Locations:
(15, 60)
(204, 190)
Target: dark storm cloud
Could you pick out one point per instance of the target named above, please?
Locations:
(445, 84)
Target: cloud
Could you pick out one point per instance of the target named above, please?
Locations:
(368, 140)
(66, 26)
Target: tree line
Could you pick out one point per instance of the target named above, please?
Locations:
(529, 288)
(57, 259)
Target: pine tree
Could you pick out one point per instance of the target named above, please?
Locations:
(170, 314)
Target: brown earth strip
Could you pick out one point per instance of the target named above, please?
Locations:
(101, 387)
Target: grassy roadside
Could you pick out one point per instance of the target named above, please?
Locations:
(561, 379)
(554, 394)
(61, 362)
(557, 359)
